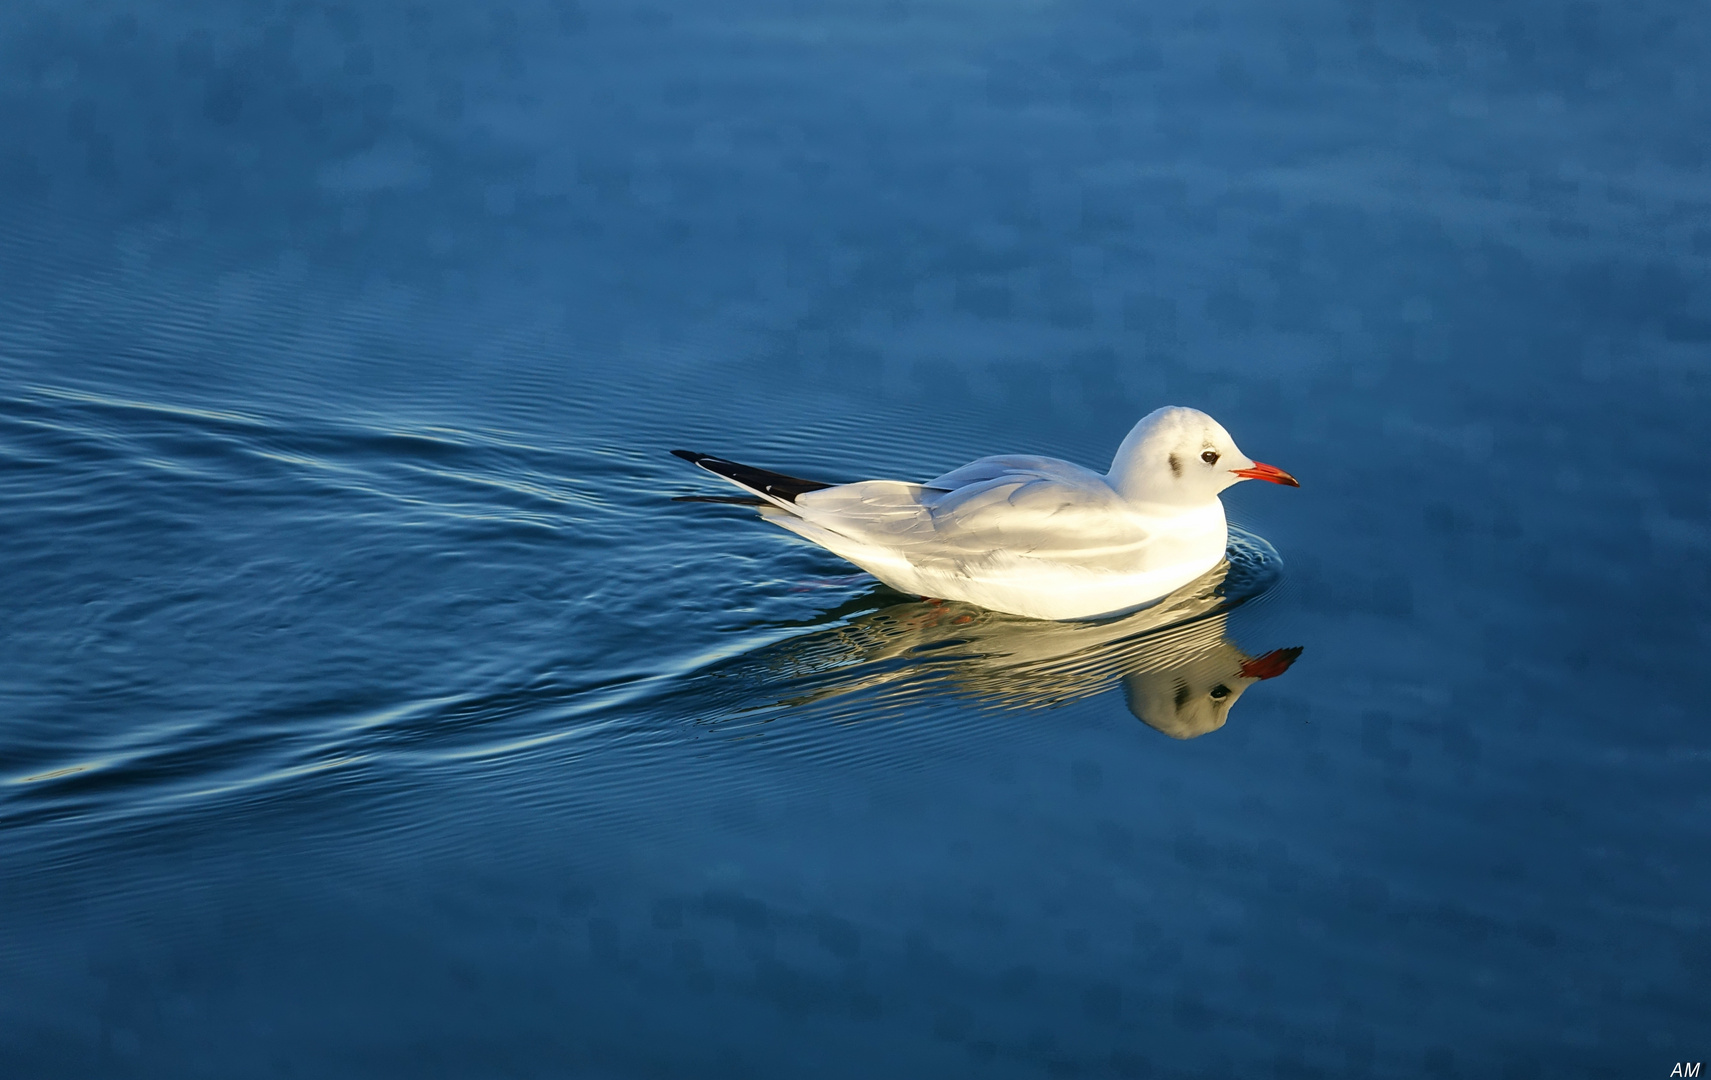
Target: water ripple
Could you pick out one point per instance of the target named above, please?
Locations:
(212, 569)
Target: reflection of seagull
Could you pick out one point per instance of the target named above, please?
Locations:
(1180, 671)
(1030, 536)
(1191, 693)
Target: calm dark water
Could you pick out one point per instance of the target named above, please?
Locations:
(370, 708)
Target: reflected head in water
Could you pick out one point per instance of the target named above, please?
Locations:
(1194, 695)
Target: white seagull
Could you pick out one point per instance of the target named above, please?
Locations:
(1030, 536)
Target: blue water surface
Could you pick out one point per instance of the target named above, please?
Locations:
(368, 707)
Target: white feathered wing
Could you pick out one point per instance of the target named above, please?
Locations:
(1025, 535)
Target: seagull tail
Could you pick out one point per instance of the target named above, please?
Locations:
(776, 488)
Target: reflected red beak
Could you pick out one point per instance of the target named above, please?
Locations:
(1262, 471)
(1271, 665)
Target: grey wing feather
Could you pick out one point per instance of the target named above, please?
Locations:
(993, 468)
(1018, 505)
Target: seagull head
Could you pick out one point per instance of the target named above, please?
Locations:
(1178, 456)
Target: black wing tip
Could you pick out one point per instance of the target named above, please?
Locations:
(722, 500)
(774, 485)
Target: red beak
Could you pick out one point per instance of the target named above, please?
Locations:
(1272, 664)
(1267, 472)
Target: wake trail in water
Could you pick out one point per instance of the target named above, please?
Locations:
(236, 606)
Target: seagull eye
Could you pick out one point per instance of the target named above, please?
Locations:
(1210, 457)
(1220, 692)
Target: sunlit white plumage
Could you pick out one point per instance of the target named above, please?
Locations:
(1031, 536)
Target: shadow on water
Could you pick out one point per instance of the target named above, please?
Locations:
(1179, 669)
